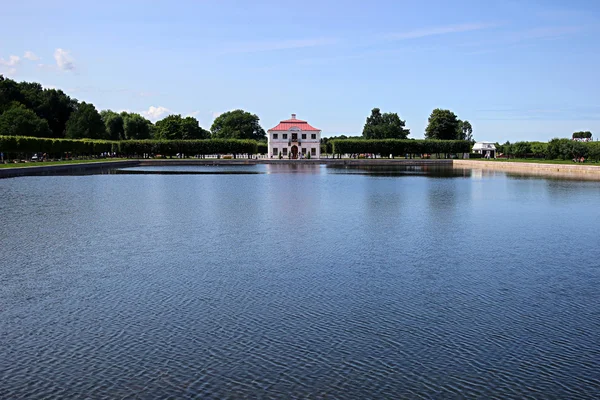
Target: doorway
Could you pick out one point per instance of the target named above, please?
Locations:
(294, 152)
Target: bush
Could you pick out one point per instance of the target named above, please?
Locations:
(400, 147)
(475, 155)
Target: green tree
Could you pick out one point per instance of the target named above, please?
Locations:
(19, 121)
(465, 131)
(136, 127)
(56, 107)
(384, 126)
(115, 129)
(521, 149)
(237, 124)
(50, 104)
(85, 122)
(443, 125)
(175, 127)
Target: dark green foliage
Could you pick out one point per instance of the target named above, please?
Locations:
(465, 131)
(174, 127)
(443, 125)
(582, 135)
(262, 148)
(566, 149)
(50, 104)
(86, 123)
(19, 121)
(475, 155)
(400, 147)
(113, 122)
(521, 149)
(384, 126)
(19, 144)
(237, 124)
(136, 127)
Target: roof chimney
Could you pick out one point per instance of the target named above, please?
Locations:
(293, 116)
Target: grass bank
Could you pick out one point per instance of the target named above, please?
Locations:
(534, 161)
(63, 162)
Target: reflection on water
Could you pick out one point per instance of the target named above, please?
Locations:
(299, 281)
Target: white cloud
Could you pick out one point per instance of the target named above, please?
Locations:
(193, 114)
(29, 55)
(154, 113)
(440, 30)
(64, 60)
(13, 61)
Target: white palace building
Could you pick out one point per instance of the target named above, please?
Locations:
(294, 138)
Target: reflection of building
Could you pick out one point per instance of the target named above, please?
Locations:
(294, 138)
(486, 149)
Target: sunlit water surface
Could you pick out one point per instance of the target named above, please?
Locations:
(299, 281)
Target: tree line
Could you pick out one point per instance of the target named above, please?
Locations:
(125, 148)
(555, 149)
(27, 109)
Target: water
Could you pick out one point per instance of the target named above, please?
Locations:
(305, 282)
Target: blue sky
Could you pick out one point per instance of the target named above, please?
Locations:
(518, 70)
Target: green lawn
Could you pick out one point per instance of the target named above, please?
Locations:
(45, 163)
(536, 161)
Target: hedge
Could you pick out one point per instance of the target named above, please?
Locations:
(22, 144)
(400, 147)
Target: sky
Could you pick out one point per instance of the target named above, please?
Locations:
(517, 70)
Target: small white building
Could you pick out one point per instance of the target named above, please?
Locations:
(486, 149)
(294, 138)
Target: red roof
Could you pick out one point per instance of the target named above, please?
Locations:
(294, 123)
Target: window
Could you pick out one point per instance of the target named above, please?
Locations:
(285, 151)
(313, 136)
(274, 151)
(275, 136)
(313, 152)
(304, 150)
(304, 136)
(284, 136)
(294, 136)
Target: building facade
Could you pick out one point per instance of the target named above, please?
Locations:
(294, 138)
(486, 149)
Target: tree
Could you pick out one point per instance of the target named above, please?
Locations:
(465, 131)
(113, 123)
(85, 122)
(50, 104)
(176, 127)
(19, 121)
(56, 107)
(136, 127)
(443, 125)
(237, 124)
(521, 149)
(384, 126)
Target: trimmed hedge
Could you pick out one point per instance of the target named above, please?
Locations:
(22, 144)
(400, 147)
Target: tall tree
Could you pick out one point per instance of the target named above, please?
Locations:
(465, 131)
(56, 107)
(443, 125)
(19, 121)
(113, 123)
(384, 126)
(176, 127)
(85, 122)
(237, 124)
(136, 127)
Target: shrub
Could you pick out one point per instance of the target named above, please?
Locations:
(475, 155)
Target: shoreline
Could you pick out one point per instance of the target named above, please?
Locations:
(533, 169)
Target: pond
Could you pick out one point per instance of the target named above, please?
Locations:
(278, 281)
